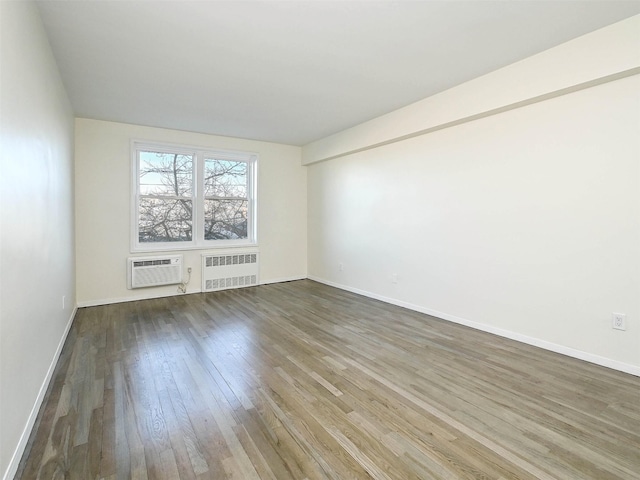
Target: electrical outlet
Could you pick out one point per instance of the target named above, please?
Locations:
(64, 298)
(394, 278)
(619, 321)
(341, 267)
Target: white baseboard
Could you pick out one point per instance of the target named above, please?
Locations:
(571, 352)
(33, 416)
(132, 298)
(536, 342)
(283, 279)
(151, 295)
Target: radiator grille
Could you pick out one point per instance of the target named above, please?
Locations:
(224, 260)
(223, 271)
(221, 283)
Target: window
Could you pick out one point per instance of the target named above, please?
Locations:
(192, 198)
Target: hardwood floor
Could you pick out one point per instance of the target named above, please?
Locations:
(299, 380)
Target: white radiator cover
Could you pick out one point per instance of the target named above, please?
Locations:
(221, 271)
(154, 271)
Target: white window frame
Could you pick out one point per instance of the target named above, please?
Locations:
(199, 154)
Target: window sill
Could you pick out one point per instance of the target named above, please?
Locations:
(184, 248)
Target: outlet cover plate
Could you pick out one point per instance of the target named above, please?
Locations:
(619, 321)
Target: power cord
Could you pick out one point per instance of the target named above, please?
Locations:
(182, 288)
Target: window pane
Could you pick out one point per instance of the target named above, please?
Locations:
(162, 220)
(166, 174)
(225, 178)
(225, 219)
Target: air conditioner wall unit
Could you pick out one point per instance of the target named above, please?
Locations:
(154, 271)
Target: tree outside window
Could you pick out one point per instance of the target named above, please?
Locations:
(192, 198)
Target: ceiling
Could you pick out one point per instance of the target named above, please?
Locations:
(292, 71)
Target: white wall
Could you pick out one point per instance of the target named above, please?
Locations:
(36, 220)
(611, 52)
(103, 171)
(524, 223)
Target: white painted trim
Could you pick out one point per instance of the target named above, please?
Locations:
(134, 298)
(143, 296)
(536, 342)
(199, 155)
(33, 416)
(561, 349)
(283, 279)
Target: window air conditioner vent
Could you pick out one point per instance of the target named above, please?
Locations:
(154, 271)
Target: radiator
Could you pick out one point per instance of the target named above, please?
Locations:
(229, 270)
(154, 271)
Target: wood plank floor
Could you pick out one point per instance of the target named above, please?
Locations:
(303, 381)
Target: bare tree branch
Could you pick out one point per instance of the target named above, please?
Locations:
(170, 218)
